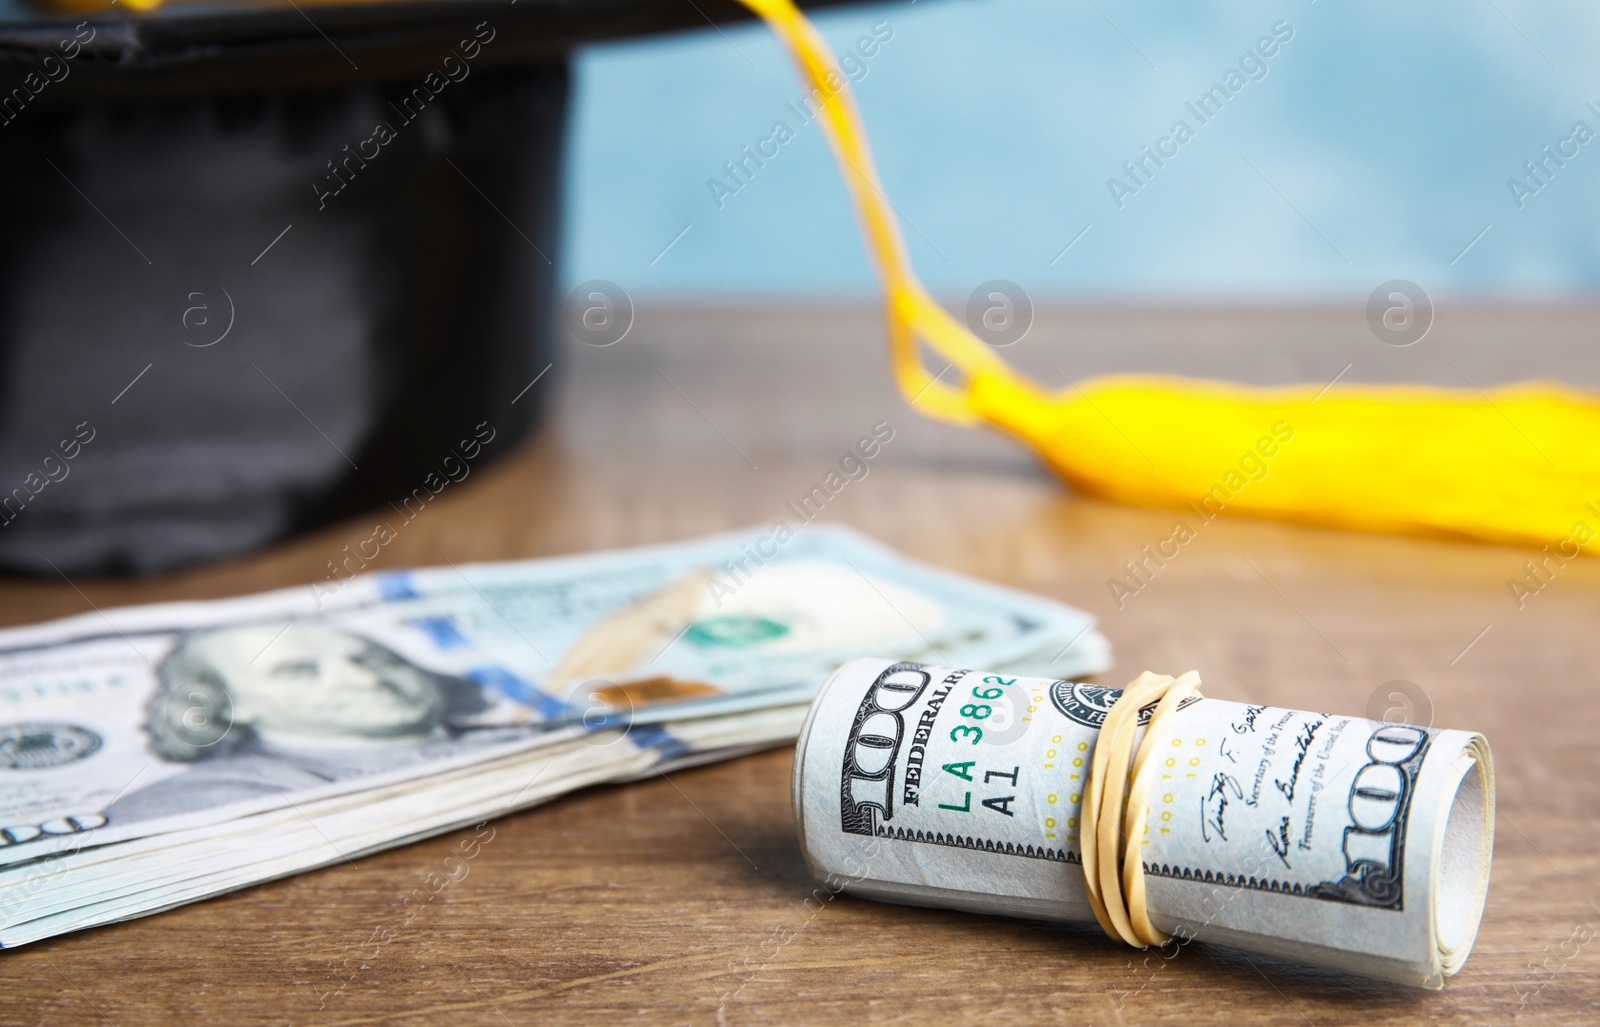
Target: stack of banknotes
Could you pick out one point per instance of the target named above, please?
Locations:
(153, 756)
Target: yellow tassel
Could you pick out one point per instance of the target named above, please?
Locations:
(1518, 464)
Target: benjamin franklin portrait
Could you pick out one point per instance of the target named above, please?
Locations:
(260, 708)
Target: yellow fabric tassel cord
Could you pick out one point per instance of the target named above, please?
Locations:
(1519, 464)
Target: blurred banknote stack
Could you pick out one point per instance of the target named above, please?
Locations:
(153, 756)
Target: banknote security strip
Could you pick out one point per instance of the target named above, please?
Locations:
(1332, 841)
(1112, 869)
(1510, 464)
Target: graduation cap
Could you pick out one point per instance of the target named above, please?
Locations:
(264, 265)
(382, 339)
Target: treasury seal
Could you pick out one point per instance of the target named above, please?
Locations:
(1089, 704)
(35, 745)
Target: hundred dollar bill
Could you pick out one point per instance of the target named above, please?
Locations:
(121, 724)
(1332, 841)
(103, 884)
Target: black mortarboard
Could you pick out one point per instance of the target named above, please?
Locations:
(269, 264)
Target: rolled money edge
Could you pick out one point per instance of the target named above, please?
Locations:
(1439, 784)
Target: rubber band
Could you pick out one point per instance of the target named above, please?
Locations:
(1119, 779)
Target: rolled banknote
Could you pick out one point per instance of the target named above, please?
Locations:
(1331, 841)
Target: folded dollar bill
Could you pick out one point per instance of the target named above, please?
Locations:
(312, 715)
(1332, 841)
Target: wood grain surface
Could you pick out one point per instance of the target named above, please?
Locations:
(685, 900)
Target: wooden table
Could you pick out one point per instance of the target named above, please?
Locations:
(665, 901)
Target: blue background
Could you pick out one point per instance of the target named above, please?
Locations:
(1378, 146)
